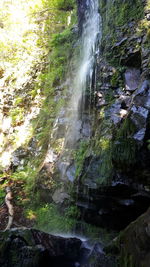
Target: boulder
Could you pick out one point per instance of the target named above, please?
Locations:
(112, 206)
(134, 242)
(97, 258)
(139, 116)
(60, 195)
(132, 79)
(141, 96)
(32, 248)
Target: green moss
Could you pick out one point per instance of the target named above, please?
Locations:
(116, 16)
(126, 260)
(49, 219)
(148, 36)
(60, 38)
(2, 195)
(104, 151)
(18, 101)
(124, 146)
(80, 156)
(117, 78)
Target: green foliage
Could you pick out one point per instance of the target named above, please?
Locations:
(72, 212)
(103, 147)
(129, 11)
(126, 260)
(66, 36)
(2, 195)
(65, 5)
(80, 156)
(49, 219)
(117, 78)
(124, 146)
(60, 47)
(116, 18)
(17, 115)
(18, 101)
(28, 176)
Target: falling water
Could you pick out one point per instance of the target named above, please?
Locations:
(82, 89)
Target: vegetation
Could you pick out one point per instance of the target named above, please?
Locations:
(124, 148)
(80, 156)
(35, 63)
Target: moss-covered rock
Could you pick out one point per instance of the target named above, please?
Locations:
(134, 243)
(29, 247)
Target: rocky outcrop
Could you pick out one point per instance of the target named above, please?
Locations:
(25, 247)
(134, 243)
(113, 184)
(30, 247)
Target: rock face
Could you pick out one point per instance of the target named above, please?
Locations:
(134, 243)
(30, 247)
(113, 184)
(113, 206)
(24, 247)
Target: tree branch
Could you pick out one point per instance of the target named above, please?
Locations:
(8, 199)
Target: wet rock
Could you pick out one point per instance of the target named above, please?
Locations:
(126, 202)
(139, 136)
(59, 128)
(86, 129)
(70, 173)
(120, 42)
(97, 258)
(112, 206)
(30, 247)
(60, 195)
(139, 116)
(115, 112)
(63, 166)
(132, 79)
(142, 90)
(141, 97)
(101, 102)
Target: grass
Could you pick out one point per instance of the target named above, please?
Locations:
(50, 219)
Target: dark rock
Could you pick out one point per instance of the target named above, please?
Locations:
(132, 79)
(114, 112)
(120, 42)
(97, 258)
(139, 116)
(141, 96)
(134, 242)
(112, 206)
(30, 247)
(132, 59)
(139, 136)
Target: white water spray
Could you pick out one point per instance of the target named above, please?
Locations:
(79, 126)
(82, 90)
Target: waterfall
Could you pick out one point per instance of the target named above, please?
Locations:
(83, 84)
(82, 88)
